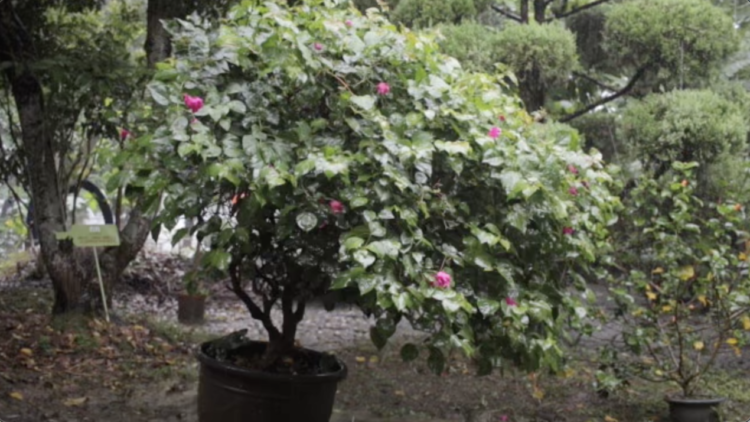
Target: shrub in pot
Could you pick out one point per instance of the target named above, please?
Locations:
(685, 298)
(329, 150)
(191, 305)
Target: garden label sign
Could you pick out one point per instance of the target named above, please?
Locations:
(94, 236)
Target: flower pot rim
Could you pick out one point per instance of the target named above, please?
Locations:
(196, 296)
(214, 364)
(696, 400)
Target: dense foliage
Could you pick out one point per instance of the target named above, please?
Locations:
(343, 152)
(685, 298)
(684, 126)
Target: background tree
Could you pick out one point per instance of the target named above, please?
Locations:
(63, 67)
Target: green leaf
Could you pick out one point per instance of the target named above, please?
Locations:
(307, 221)
(364, 258)
(387, 247)
(353, 243)
(159, 93)
(365, 102)
(487, 306)
(218, 259)
(409, 352)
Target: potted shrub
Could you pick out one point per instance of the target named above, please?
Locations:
(686, 295)
(321, 149)
(191, 305)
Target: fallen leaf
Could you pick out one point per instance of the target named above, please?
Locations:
(732, 341)
(651, 295)
(666, 308)
(360, 359)
(399, 393)
(742, 256)
(698, 345)
(658, 270)
(75, 402)
(702, 299)
(373, 359)
(16, 395)
(608, 418)
(27, 352)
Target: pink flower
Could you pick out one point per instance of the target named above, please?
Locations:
(503, 418)
(349, 23)
(502, 118)
(494, 132)
(336, 207)
(383, 88)
(194, 121)
(572, 169)
(442, 280)
(573, 191)
(193, 103)
(318, 46)
(124, 133)
(568, 231)
(510, 301)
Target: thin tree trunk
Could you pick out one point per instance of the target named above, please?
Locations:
(532, 90)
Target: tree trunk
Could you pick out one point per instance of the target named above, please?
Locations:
(70, 270)
(158, 46)
(532, 90)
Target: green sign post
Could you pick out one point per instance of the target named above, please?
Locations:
(94, 236)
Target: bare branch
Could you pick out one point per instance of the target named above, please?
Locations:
(251, 306)
(578, 9)
(607, 99)
(594, 81)
(507, 13)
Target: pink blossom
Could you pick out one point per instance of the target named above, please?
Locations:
(503, 418)
(318, 46)
(510, 301)
(572, 169)
(193, 103)
(124, 133)
(194, 121)
(336, 207)
(383, 88)
(442, 280)
(568, 230)
(494, 132)
(573, 191)
(349, 23)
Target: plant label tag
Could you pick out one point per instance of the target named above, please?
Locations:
(92, 235)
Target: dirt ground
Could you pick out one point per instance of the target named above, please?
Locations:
(139, 370)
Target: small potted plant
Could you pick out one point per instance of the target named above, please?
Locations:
(686, 296)
(191, 305)
(321, 149)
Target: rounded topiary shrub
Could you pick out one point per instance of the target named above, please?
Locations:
(426, 13)
(470, 43)
(683, 126)
(540, 55)
(680, 41)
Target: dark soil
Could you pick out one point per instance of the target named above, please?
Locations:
(298, 362)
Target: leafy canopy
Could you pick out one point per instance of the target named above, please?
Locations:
(309, 172)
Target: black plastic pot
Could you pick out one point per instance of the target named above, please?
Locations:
(227, 393)
(191, 309)
(693, 409)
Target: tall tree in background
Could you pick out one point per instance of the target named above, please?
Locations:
(41, 73)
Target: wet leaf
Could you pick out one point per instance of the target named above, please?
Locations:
(75, 402)
(27, 352)
(16, 395)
